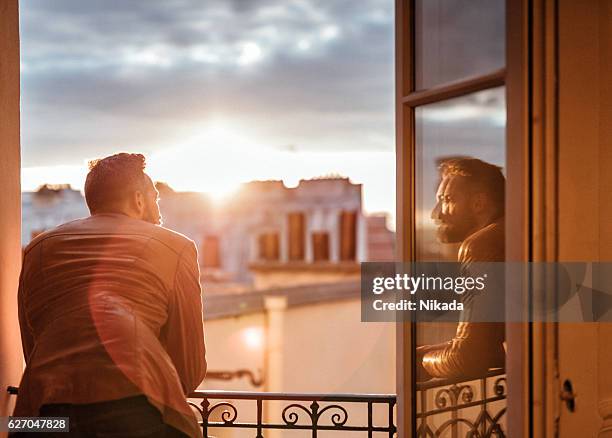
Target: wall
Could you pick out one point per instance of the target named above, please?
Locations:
(324, 348)
(274, 275)
(10, 201)
(585, 191)
(328, 349)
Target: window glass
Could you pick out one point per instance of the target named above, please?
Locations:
(456, 39)
(460, 143)
(468, 126)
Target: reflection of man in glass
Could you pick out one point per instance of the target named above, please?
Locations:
(469, 210)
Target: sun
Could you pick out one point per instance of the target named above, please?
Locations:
(215, 160)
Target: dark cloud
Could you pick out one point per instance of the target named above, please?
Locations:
(101, 75)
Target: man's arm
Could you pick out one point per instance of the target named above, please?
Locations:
(184, 330)
(477, 347)
(27, 338)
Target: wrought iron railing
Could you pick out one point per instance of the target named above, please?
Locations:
(471, 408)
(311, 412)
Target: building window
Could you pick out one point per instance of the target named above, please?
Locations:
(297, 236)
(348, 236)
(210, 252)
(269, 248)
(320, 246)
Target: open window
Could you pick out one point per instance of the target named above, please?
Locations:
(451, 126)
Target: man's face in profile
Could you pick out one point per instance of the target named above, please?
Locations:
(151, 195)
(453, 213)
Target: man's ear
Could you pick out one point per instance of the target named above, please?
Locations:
(139, 201)
(479, 202)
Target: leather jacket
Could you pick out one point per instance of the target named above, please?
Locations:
(110, 307)
(476, 346)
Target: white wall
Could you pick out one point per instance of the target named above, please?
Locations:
(326, 349)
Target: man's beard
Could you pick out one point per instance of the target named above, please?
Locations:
(453, 232)
(156, 219)
(153, 216)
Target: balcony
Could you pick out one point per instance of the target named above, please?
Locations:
(473, 408)
(305, 412)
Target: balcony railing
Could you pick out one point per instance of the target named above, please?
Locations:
(311, 412)
(472, 408)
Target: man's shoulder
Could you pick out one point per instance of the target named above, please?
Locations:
(485, 245)
(174, 239)
(58, 230)
(117, 226)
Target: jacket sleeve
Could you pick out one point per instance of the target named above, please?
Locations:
(184, 329)
(477, 347)
(27, 337)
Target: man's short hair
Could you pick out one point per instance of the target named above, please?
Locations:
(482, 176)
(112, 179)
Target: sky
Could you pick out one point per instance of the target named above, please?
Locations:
(213, 92)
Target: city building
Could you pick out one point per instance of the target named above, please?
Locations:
(265, 235)
(48, 207)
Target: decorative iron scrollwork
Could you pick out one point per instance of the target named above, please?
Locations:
(337, 418)
(451, 396)
(227, 416)
(499, 387)
(297, 414)
(452, 401)
(292, 418)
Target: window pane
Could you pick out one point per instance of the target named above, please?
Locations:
(456, 39)
(453, 133)
(468, 126)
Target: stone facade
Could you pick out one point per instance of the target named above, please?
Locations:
(266, 234)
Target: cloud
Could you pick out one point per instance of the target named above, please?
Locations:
(105, 75)
(315, 77)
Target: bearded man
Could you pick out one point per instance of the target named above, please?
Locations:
(110, 313)
(470, 211)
